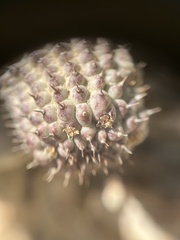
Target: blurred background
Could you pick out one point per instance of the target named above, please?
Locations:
(33, 209)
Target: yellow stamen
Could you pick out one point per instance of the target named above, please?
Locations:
(105, 121)
(71, 131)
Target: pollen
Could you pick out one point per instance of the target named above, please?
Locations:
(105, 121)
(71, 132)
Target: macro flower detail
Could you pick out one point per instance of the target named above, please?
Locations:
(77, 106)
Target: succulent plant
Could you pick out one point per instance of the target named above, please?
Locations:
(77, 106)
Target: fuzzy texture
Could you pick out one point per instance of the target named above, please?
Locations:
(77, 106)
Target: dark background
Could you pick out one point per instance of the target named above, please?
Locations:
(150, 28)
(27, 24)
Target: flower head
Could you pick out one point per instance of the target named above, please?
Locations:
(77, 106)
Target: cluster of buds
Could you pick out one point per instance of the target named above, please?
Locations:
(77, 106)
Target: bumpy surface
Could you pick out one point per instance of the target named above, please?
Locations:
(77, 106)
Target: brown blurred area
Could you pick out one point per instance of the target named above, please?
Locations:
(40, 211)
